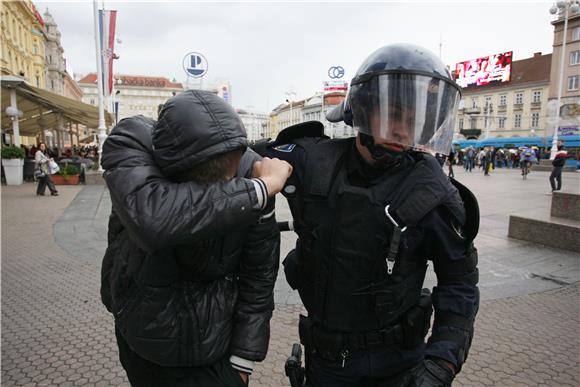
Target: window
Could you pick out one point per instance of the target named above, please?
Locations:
(535, 120)
(92, 101)
(502, 100)
(501, 123)
(474, 103)
(575, 57)
(573, 82)
(52, 84)
(518, 121)
(576, 33)
(537, 96)
(473, 122)
(519, 98)
(461, 124)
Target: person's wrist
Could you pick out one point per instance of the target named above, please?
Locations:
(245, 377)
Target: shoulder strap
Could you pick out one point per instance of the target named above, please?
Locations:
(322, 159)
(422, 191)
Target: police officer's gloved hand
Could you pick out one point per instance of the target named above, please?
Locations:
(437, 373)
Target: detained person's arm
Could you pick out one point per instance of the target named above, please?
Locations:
(256, 278)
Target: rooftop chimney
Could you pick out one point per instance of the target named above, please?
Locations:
(537, 54)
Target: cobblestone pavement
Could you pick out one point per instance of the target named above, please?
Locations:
(55, 331)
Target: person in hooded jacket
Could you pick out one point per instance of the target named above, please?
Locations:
(193, 244)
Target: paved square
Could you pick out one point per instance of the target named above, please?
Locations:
(55, 331)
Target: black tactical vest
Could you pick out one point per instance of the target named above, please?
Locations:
(345, 237)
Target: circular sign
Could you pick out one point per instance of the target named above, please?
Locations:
(195, 65)
(336, 72)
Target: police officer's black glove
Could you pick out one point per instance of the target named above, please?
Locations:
(437, 374)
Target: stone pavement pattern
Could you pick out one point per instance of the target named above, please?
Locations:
(55, 331)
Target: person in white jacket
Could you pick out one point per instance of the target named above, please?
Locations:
(41, 160)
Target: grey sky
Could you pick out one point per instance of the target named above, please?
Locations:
(266, 49)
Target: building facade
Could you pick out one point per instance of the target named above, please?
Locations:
(54, 58)
(286, 114)
(256, 124)
(310, 109)
(313, 111)
(518, 108)
(23, 42)
(132, 95)
(569, 122)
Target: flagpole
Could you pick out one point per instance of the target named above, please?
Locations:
(102, 127)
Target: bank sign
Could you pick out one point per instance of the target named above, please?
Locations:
(568, 131)
(195, 65)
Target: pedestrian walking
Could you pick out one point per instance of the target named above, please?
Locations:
(42, 171)
(193, 248)
(451, 160)
(369, 211)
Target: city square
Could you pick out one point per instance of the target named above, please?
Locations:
(498, 108)
(57, 332)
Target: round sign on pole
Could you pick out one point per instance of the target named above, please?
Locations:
(195, 65)
(336, 72)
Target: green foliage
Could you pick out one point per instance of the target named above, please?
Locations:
(12, 152)
(68, 170)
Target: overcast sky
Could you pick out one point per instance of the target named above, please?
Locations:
(265, 49)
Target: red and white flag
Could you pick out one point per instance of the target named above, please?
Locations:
(107, 21)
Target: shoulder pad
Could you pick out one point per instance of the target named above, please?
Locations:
(471, 210)
(303, 129)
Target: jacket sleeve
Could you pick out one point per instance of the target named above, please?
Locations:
(256, 279)
(159, 213)
(456, 296)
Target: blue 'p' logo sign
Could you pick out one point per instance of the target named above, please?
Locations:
(195, 65)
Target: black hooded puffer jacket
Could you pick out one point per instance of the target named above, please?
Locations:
(189, 271)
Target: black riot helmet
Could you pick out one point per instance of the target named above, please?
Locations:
(403, 95)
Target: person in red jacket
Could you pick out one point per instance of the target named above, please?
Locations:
(558, 164)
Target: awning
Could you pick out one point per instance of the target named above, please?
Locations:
(36, 103)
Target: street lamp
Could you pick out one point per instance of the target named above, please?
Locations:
(565, 7)
(289, 94)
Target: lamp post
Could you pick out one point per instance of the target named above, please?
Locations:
(565, 7)
(289, 94)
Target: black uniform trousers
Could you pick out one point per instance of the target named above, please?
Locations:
(389, 367)
(143, 373)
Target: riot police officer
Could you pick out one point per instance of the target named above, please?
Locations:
(370, 212)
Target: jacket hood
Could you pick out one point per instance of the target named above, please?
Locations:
(193, 127)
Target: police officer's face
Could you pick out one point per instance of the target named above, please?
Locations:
(394, 131)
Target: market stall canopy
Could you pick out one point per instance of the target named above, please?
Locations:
(41, 108)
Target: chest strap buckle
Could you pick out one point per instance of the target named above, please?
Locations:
(395, 242)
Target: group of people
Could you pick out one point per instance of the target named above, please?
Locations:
(193, 242)
(83, 151)
(489, 158)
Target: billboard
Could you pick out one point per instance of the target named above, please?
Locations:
(488, 70)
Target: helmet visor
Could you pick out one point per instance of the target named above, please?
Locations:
(406, 110)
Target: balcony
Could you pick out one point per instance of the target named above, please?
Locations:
(472, 110)
(518, 106)
(470, 133)
(501, 108)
